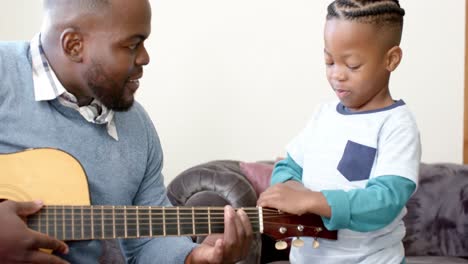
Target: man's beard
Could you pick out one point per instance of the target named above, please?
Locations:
(106, 90)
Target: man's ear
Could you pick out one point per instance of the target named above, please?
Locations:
(72, 44)
(394, 56)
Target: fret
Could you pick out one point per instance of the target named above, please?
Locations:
(82, 223)
(164, 220)
(209, 220)
(150, 218)
(64, 215)
(92, 222)
(178, 221)
(47, 221)
(193, 221)
(113, 222)
(39, 220)
(137, 222)
(102, 222)
(125, 220)
(73, 223)
(55, 222)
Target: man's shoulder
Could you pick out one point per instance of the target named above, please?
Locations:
(14, 56)
(136, 111)
(14, 47)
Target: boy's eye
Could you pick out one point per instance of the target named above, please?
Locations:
(354, 67)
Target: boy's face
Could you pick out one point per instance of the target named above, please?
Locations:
(357, 64)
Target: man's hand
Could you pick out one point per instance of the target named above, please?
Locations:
(18, 243)
(229, 247)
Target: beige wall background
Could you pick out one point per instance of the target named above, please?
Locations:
(239, 79)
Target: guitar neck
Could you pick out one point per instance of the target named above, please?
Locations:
(109, 222)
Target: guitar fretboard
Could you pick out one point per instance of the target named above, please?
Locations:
(108, 222)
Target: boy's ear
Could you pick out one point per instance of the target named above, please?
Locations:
(72, 44)
(394, 56)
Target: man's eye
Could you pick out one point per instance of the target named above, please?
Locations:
(133, 47)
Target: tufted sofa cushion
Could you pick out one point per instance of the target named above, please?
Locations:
(437, 219)
(216, 183)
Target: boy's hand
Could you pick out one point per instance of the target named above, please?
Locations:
(292, 197)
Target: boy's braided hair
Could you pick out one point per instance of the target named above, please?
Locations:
(382, 13)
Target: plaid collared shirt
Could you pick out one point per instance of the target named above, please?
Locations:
(48, 87)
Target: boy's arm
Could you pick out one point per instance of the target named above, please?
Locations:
(371, 208)
(360, 209)
(286, 170)
(289, 195)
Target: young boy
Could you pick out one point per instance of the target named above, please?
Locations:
(356, 163)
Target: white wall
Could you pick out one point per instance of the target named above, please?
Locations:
(238, 79)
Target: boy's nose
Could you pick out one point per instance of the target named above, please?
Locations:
(338, 74)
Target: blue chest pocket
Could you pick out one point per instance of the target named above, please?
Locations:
(356, 162)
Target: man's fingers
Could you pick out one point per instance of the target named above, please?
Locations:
(47, 242)
(26, 208)
(41, 257)
(239, 227)
(230, 227)
(247, 227)
(219, 251)
(245, 222)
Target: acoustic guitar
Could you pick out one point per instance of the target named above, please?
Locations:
(68, 214)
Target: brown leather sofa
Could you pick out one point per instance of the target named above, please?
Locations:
(437, 219)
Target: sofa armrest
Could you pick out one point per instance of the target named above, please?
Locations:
(216, 183)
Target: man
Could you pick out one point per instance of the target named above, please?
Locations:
(72, 88)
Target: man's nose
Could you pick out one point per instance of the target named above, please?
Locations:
(142, 57)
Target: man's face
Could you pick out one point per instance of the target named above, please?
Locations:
(356, 64)
(115, 53)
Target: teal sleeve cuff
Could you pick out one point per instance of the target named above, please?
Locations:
(371, 208)
(341, 211)
(286, 170)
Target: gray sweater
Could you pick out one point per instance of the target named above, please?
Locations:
(124, 172)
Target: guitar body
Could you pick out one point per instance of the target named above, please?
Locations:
(51, 175)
